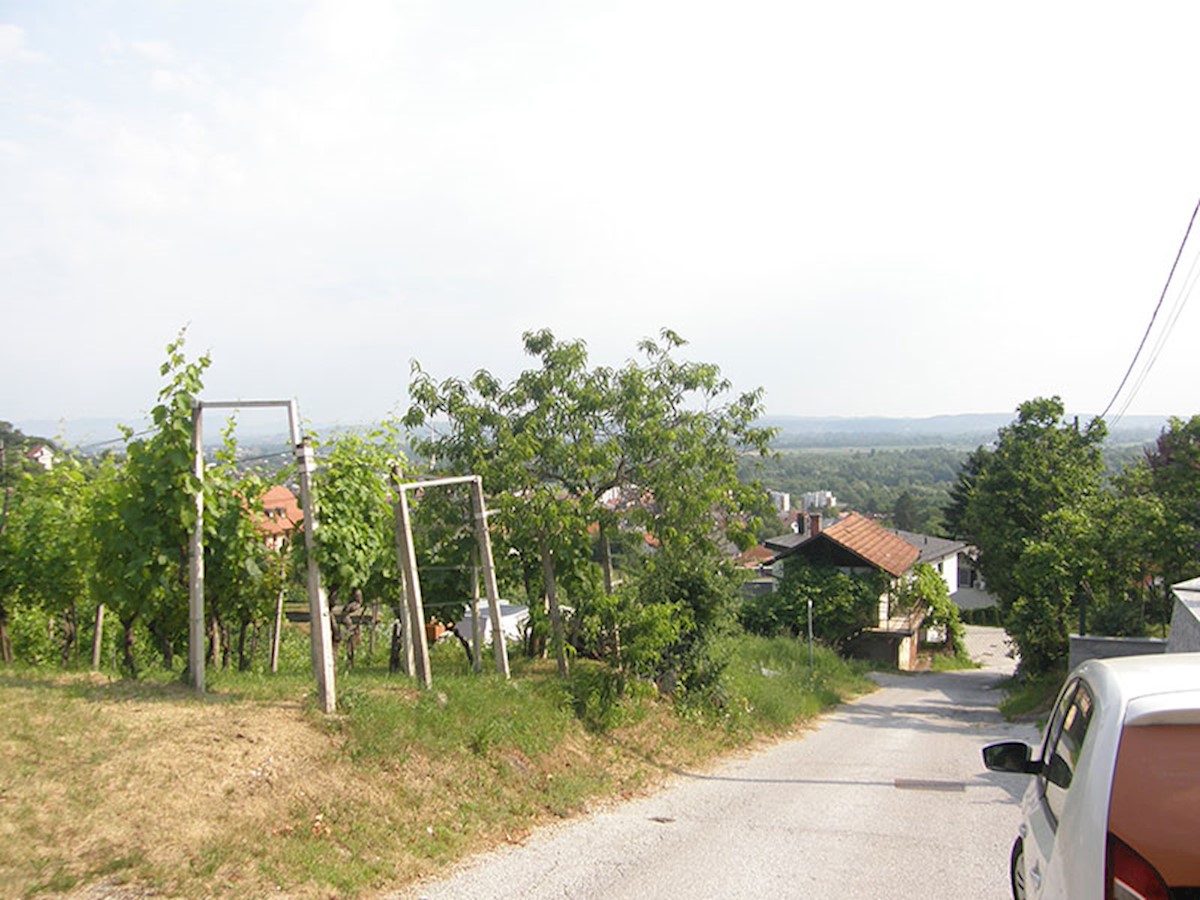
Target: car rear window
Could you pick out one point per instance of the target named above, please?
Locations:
(1155, 806)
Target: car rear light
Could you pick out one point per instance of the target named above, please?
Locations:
(1129, 877)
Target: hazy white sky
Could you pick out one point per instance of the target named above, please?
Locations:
(867, 208)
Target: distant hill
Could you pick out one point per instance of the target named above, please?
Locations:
(963, 430)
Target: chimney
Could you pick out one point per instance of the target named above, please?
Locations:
(814, 524)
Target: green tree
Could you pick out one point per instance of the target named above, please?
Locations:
(1005, 505)
(926, 587)
(42, 558)
(356, 548)
(241, 576)
(145, 514)
(843, 603)
(552, 443)
(1174, 467)
(904, 513)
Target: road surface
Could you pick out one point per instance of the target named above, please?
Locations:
(886, 798)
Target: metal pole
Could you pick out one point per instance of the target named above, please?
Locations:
(196, 561)
(811, 657)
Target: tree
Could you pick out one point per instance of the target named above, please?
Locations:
(356, 548)
(551, 444)
(241, 579)
(926, 587)
(1174, 469)
(42, 558)
(843, 603)
(145, 514)
(904, 513)
(1005, 504)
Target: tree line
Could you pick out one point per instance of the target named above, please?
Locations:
(615, 498)
(1064, 543)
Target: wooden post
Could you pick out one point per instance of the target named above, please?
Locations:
(484, 539)
(476, 622)
(320, 629)
(98, 637)
(196, 562)
(412, 583)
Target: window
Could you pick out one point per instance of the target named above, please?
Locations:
(1064, 744)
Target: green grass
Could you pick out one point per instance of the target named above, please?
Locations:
(1029, 698)
(398, 783)
(951, 662)
(771, 686)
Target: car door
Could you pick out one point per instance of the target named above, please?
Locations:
(1046, 805)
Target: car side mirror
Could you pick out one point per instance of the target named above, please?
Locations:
(1010, 756)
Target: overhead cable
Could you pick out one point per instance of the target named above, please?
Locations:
(1154, 315)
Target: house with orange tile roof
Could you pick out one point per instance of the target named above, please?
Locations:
(281, 516)
(856, 544)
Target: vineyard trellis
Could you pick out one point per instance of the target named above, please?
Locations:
(320, 628)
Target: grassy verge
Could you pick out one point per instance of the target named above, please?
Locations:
(248, 790)
(1031, 698)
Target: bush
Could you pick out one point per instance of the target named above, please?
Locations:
(843, 605)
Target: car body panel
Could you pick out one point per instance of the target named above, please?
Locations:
(1064, 856)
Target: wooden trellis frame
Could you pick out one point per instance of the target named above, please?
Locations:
(416, 647)
(320, 628)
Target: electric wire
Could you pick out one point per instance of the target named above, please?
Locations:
(1154, 315)
(1172, 318)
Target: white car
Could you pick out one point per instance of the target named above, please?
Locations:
(1113, 810)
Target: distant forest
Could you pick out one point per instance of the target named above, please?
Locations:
(876, 480)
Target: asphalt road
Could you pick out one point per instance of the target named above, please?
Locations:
(886, 798)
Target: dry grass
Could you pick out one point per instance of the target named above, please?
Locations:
(117, 789)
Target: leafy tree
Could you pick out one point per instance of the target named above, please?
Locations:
(927, 587)
(145, 514)
(42, 562)
(356, 548)
(551, 444)
(843, 603)
(904, 513)
(242, 577)
(1006, 503)
(1174, 468)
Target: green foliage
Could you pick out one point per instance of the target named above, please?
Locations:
(551, 444)
(927, 587)
(1012, 502)
(43, 560)
(843, 604)
(1174, 477)
(146, 510)
(356, 547)
(870, 481)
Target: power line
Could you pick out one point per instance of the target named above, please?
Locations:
(1153, 316)
(1189, 285)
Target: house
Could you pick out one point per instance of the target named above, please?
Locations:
(856, 544)
(941, 554)
(281, 516)
(42, 455)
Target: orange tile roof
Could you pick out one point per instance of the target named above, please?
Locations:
(873, 542)
(281, 511)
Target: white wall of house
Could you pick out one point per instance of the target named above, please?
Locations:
(948, 569)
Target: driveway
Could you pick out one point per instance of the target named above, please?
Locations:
(886, 797)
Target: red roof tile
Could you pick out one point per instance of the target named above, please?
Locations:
(873, 542)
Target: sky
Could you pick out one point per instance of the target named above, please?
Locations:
(864, 208)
